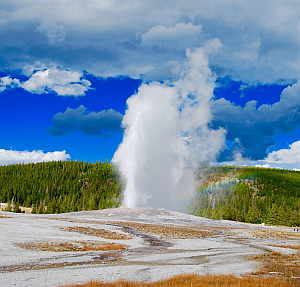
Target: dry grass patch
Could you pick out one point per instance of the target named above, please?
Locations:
(275, 234)
(196, 281)
(75, 246)
(295, 247)
(165, 231)
(97, 232)
(279, 265)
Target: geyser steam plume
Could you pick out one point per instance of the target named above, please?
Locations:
(167, 136)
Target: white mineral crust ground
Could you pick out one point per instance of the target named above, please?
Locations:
(225, 252)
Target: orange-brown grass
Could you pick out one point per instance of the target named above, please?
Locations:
(275, 234)
(279, 265)
(165, 231)
(196, 281)
(4, 216)
(295, 247)
(76, 246)
(97, 232)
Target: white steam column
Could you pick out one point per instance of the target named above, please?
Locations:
(167, 136)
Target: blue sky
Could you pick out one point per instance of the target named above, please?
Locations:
(29, 118)
(66, 73)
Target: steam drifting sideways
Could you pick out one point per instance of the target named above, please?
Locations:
(167, 136)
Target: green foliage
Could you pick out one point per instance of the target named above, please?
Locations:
(56, 187)
(259, 195)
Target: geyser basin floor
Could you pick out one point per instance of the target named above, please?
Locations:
(162, 244)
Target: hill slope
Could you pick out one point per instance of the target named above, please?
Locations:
(250, 194)
(56, 187)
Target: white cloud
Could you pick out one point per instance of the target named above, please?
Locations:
(288, 158)
(254, 126)
(14, 157)
(6, 82)
(62, 82)
(289, 155)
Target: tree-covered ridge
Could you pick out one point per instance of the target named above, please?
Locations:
(56, 187)
(251, 194)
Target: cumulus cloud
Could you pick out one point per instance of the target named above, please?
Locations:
(289, 155)
(62, 82)
(90, 123)
(251, 129)
(110, 38)
(15, 157)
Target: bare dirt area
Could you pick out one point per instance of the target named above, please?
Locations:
(141, 245)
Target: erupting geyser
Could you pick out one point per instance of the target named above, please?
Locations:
(167, 136)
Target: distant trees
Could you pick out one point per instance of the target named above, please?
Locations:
(252, 195)
(56, 187)
(260, 195)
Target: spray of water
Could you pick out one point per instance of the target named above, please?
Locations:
(167, 136)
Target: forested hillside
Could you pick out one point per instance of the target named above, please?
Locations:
(250, 194)
(254, 195)
(59, 186)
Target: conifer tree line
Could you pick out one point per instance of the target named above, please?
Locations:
(257, 195)
(254, 195)
(56, 187)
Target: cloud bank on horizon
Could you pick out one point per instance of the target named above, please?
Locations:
(52, 47)
(20, 157)
(288, 158)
